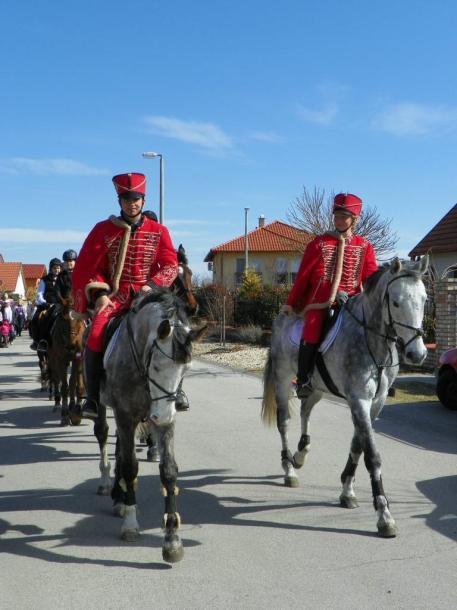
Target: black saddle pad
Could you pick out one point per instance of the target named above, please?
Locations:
(111, 328)
(330, 320)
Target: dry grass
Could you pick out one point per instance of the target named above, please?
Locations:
(412, 391)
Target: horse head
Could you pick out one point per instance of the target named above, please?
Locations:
(167, 351)
(404, 299)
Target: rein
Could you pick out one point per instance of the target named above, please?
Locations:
(144, 370)
(390, 338)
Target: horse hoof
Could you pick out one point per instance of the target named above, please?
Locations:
(291, 481)
(348, 501)
(130, 535)
(105, 490)
(119, 510)
(65, 421)
(388, 530)
(75, 420)
(172, 552)
(299, 460)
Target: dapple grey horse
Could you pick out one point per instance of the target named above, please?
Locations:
(144, 364)
(377, 326)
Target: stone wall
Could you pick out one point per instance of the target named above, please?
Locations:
(446, 315)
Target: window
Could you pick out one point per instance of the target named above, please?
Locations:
(294, 266)
(281, 271)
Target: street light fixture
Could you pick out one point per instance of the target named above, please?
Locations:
(246, 246)
(153, 155)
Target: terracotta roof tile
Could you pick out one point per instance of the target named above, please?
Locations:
(34, 271)
(9, 272)
(276, 236)
(442, 238)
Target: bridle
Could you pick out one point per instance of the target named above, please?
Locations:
(418, 332)
(143, 369)
(390, 337)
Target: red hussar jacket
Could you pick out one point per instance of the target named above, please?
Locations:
(317, 269)
(121, 258)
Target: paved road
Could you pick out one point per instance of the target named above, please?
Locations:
(249, 542)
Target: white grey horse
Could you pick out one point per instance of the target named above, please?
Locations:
(144, 364)
(378, 326)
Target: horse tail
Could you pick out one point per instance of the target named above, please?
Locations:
(269, 407)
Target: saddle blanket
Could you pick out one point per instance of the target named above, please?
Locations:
(111, 344)
(297, 329)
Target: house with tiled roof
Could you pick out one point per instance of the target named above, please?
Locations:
(12, 279)
(33, 274)
(441, 244)
(274, 251)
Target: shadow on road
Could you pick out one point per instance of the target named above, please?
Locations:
(442, 492)
(427, 425)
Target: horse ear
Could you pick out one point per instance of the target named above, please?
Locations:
(424, 262)
(164, 329)
(395, 265)
(197, 335)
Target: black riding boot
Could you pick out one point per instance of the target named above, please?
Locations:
(306, 360)
(93, 369)
(182, 402)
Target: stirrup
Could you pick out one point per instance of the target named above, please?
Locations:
(304, 390)
(89, 409)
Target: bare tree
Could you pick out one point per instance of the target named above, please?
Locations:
(313, 212)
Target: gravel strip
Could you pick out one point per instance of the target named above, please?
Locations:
(240, 356)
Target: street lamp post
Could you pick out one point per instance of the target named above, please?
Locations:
(153, 155)
(246, 247)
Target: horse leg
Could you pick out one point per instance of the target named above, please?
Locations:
(172, 549)
(117, 493)
(130, 529)
(348, 498)
(282, 422)
(101, 433)
(362, 422)
(303, 445)
(153, 454)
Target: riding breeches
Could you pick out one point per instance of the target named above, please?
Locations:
(100, 322)
(312, 327)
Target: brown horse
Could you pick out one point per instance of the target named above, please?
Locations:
(65, 350)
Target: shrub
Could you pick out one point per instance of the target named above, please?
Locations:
(250, 334)
(261, 309)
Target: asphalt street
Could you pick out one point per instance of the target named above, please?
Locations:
(249, 541)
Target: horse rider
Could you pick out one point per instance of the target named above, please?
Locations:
(63, 282)
(337, 261)
(121, 257)
(45, 299)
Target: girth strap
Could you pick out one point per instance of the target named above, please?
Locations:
(323, 371)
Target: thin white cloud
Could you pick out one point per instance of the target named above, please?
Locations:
(206, 135)
(323, 116)
(266, 136)
(410, 119)
(55, 236)
(62, 167)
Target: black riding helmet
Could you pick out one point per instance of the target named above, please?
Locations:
(53, 262)
(69, 255)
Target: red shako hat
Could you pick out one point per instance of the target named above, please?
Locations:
(130, 186)
(348, 203)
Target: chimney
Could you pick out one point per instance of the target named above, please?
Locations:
(261, 221)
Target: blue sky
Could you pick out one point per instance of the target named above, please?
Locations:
(247, 101)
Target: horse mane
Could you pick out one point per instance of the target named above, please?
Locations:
(164, 297)
(408, 268)
(171, 304)
(370, 284)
